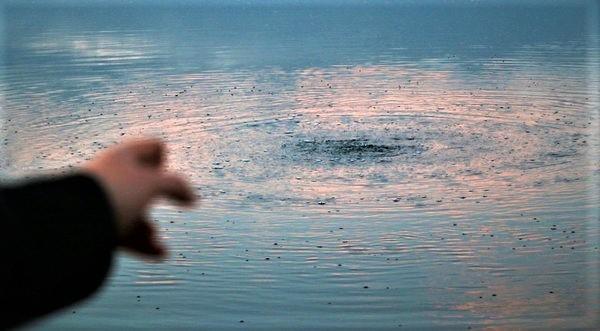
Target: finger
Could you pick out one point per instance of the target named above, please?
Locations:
(148, 152)
(176, 188)
(142, 239)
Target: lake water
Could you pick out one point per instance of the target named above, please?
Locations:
(361, 167)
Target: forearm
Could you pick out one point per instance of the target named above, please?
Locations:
(59, 238)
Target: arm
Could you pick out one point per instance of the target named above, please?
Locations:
(59, 234)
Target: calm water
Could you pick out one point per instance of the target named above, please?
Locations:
(382, 167)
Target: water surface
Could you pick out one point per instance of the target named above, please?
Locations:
(361, 167)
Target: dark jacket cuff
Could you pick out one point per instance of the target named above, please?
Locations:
(60, 238)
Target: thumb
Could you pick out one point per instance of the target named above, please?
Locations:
(142, 239)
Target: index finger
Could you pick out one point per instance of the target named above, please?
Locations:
(149, 152)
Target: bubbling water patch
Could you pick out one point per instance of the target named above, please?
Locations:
(343, 151)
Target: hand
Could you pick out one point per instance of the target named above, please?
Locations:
(133, 175)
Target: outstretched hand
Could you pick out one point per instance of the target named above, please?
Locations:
(134, 175)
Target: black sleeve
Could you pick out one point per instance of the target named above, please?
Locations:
(58, 237)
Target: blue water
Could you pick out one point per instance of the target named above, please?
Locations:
(380, 166)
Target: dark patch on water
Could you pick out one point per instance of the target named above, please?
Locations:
(561, 154)
(357, 148)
